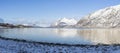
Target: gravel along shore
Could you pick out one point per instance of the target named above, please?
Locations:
(22, 46)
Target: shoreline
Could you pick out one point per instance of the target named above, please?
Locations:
(11, 45)
(23, 46)
(58, 44)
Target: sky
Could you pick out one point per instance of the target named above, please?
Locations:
(48, 11)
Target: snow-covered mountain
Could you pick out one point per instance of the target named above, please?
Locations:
(64, 22)
(108, 17)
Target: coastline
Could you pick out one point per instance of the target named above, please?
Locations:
(23, 46)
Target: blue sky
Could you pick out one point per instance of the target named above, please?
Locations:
(47, 11)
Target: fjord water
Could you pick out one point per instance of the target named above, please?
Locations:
(64, 36)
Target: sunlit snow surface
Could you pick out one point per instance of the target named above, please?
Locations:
(104, 18)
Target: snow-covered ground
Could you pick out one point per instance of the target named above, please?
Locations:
(11, 46)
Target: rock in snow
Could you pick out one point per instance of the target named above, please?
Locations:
(64, 22)
(108, 17)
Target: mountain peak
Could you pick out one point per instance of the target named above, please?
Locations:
(65, 22)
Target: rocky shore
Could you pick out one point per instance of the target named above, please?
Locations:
(21, 46)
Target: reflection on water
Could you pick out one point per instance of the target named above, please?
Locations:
(67, 36)
(64, 36)
(104, 36)
(1, 31)
(66, 32)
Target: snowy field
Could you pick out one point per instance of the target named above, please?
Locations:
(16, 46)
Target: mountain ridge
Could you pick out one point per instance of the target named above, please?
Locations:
(108, 17)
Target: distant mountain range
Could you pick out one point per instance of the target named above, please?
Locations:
(108, 17)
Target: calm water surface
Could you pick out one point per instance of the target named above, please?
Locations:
(64, 36)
